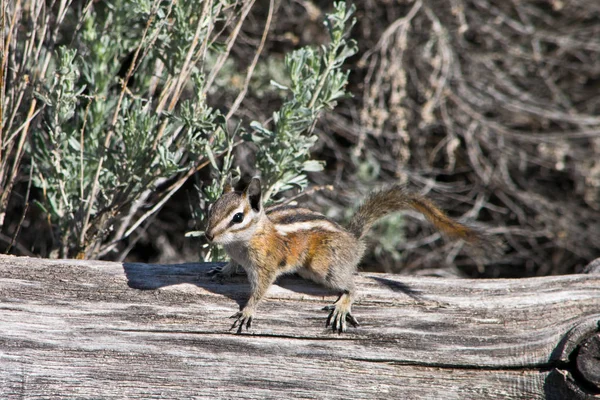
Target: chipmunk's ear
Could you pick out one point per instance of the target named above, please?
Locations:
(253, 194)
(228, 187)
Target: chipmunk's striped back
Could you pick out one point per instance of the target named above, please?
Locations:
(287, 219)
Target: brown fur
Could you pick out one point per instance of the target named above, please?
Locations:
(387, 201)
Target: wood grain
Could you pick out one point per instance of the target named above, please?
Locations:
(91, 329)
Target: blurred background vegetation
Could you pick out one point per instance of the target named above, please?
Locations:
(122, 120)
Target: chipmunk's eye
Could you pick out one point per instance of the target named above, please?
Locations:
(237, 218)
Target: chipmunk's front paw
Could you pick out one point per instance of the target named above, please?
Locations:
(338, 317)
(241, 318)
(222, 273)
(216, 272)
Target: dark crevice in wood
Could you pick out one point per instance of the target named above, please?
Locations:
(533, 367)
(336, 338)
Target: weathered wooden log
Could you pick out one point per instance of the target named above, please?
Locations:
(90, 329)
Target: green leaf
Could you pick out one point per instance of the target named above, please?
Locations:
(211, 157)
(194, 234)
(74, 143)
(313, 166)
(278, 85)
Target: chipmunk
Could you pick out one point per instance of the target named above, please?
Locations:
(287, 239)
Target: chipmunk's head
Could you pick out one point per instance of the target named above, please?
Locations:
(233, 217)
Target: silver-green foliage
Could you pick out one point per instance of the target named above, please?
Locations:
(113, 131)
(56, 154)
(106, 141)
(316, 83)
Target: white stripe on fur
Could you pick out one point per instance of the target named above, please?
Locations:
(284, 229)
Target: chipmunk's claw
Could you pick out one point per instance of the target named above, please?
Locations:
(214, 271)
(216, 274)
(241, 318)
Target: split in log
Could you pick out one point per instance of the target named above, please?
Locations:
(92, 329)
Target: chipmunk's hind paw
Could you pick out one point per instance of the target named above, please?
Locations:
(241, 318)
(338, 318)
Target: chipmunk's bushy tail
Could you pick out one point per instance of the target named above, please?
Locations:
(396, 198)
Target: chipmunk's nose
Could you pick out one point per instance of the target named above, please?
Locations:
(209, 236)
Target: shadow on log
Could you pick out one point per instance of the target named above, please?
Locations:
(92, 329)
